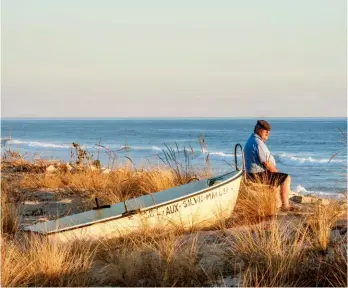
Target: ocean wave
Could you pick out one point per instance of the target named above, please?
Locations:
(322, 194)
(156, 148)
(38, 144)
(122, 148)
(126, 148)
(221, 154)
(290, 160)
(195, 152)
(115, 147)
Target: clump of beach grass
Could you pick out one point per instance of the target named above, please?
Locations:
(164, 258)
(183, 173)
(256, 202)
(269, 258)
(275, 255)
(322, 221)
(38, 262)
(10, 218)
(10, 213)
(119, 184)
(14, 157)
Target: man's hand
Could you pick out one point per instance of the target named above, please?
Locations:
(270, 167)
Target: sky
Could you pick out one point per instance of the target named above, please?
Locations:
(113, 58)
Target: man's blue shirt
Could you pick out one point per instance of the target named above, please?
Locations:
(256, 153)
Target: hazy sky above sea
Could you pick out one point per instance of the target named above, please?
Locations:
(174, 58)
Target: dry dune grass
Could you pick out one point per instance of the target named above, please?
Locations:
(255, 203)
(154, 258)
(140, 259)
(10, 218)
(119, 184)
(10, 213)
(162, 260)
(13, 157)
(272, 254)
(278, 256)
(40, 263)
(297, 254)
(34, 261)
(321, 222)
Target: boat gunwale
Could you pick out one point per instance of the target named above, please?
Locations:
(120, 216)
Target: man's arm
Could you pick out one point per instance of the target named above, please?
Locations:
(270, 166)
(264, 156)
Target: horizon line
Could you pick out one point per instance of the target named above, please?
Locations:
(169, 118)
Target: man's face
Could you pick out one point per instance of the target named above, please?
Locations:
(264, 134)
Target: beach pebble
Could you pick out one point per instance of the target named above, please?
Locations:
(296, 199)
(324, 202)
(303, 199)
(69, 167)
(51, 169)
(310, 200)
(92, 167)
(335, 236)
(106, 171)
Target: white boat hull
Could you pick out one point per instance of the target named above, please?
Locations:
(196, 210)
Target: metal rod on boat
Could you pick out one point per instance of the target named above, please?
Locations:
(125, 206)
(98, 206)
(235, 157)
(96, 202)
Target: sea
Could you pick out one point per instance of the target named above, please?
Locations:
(312, 150)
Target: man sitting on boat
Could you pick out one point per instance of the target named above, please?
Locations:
(261, 166)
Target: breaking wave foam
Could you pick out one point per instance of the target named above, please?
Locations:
(38, 144)
(222, 154)
(287, 159)
(332, 195)
(136, 148)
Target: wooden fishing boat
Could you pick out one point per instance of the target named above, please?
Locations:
(195, 204)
